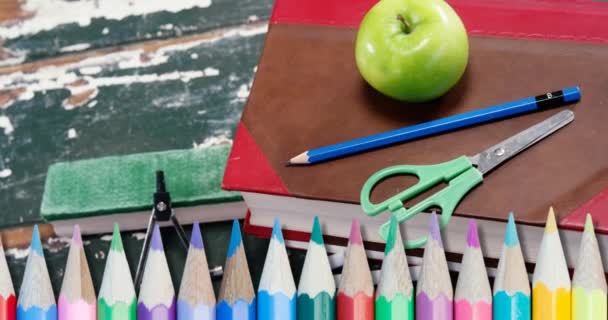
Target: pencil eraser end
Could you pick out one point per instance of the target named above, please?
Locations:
(572, 94)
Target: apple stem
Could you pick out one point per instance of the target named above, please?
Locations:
(405, 26)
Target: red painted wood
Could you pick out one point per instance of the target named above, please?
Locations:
(357, 307)
(556, 20)
(8, 307)
(248, 169)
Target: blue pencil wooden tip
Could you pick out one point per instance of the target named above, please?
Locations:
(235, 238)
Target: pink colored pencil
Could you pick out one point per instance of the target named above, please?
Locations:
(77, 298)
(473, 297)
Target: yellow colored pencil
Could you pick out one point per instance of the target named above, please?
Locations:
(551, 281)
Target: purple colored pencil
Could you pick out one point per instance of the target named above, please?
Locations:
(434, 293)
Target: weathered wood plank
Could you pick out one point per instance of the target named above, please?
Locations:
(159, 95)
(44, 28)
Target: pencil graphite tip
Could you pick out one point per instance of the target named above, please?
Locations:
(316, 235)
(551, 225)
(434, 229)
(235, 238)
(157, 241)
(77, 237)
(589, 224)
(511, 238)
(36, 245)
(196, 240)
(116, 239)
(472, 236)
(276, 231)
(355, 233)
(392, 235)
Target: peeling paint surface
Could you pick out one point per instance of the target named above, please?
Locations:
(121, 102)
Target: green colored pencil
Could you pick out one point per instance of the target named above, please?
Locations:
(117, 299)
(394, 298)
(317, 288)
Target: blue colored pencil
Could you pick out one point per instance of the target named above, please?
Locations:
(511, 285)
(277, 290)
(236, 300)
(36, 300)
(459, 121)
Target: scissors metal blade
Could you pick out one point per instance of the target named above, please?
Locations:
(495, 155)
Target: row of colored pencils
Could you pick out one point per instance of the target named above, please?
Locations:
(316, 297)
(117, 299)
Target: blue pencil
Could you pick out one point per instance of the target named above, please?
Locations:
(277, 290)
(236, 300)
(36, 299)
(467, 119)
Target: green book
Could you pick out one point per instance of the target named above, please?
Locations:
(97, 193)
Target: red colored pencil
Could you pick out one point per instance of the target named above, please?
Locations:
(8, 301)
(356, 291)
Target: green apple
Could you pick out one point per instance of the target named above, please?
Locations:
(412, 50)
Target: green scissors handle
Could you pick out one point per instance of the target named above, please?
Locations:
(460, 174)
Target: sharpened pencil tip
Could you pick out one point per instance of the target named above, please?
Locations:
(472, 236)
(316, 234)
(77, 237)
(157, 241)
(355, 233)
(434, 229)
(235, 238)
(392, 234)
(196, 240)
(589, 224)
(116, 244)
(276, 231)
(300, 159)
(551, 225)
(511, 238)
(36, 244)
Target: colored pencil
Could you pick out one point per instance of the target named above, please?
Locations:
(434, 291)
(394, 296)
(36, 300)
(117, 299)
(425, 129)
(8, 301)
(589, 282)
(551, 280)
(236, 297)
(356, 291)
(277, 290)
(196, 299)
(473, 296)
(156, 295)
(317, 288)
(77, 297)
(511, 285)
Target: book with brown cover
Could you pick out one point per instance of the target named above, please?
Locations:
(308, 93)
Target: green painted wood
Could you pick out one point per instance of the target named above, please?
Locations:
(103, 32)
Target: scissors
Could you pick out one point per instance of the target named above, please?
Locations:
(462, 174)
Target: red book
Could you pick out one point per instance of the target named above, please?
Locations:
(308, 93)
